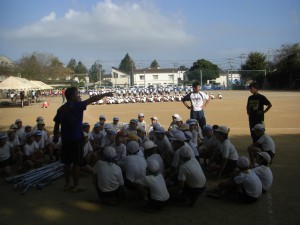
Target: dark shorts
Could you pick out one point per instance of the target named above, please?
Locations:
(192, 193)
(155, 203)
(72, 152)
(102, 195)
(199, 116)
(245, 198)
(5, 163)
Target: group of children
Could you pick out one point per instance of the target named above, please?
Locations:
(159, 164)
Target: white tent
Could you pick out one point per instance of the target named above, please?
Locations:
(16, 83)
(42, 85)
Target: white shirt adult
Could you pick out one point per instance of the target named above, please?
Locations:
(158, 158)
(109, 175)
(191, 173)
(267, 143)
(157, 187)
(251, 183)
(228, 150)
(265, 175)
(196, 99)
(29, 149)
(135, 167)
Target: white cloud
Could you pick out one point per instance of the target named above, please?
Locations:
(136, 28)
(50, 17)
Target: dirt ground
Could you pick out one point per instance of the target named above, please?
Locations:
(279, 206)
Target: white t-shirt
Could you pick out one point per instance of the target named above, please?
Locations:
(120, 151)
(158, 158)
(265, 175)
(20, 132)
(5, 152)
(194, 147)
(29, 149)
(251, 183)
(164, 146)
(142, 124)
(267, 143)
(197, 100)
(192, 174)
(157, 187)
(56, 145)
(109, 176)
(176, 158)
(135, 167)
(87, 148)
(228, 150)
(15, 142)
(41, 143)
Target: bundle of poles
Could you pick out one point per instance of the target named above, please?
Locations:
(37, 178)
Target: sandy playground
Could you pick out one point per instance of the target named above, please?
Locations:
(279, 206)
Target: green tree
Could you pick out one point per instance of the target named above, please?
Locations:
(154, 65)
(209, 71)
(80, 68)
(94, 72)
(31, 68)
(286, 67)
(256, 61)
(127, 65)
(72, 64)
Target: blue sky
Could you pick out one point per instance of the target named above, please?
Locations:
(174, 32)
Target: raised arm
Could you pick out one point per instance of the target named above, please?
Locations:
(98, 97)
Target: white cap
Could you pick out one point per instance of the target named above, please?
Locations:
(207, 127)
(132, 147)
(178, 119)
(141, 115)
(175, 115)
(154, 117)
(178, 136)
(265, 155)
(18, 121)
(222, 129)
(102, 117)
(259, 127)
(109, 152)
(243, 162)
(116, 118)
(153, 165)
(148, 145)
(185, 152)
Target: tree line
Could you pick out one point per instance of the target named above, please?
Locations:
(281, 72)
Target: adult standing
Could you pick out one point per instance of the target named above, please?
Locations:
(199, 101)
(63, 95)
(255, 109)
(69, 116)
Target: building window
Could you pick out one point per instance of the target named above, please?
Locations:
(142, 77)
(155, 77)
(115, 75)
(123, 76)
(171, 77)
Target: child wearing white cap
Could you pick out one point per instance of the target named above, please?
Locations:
(153, 186)
(173, 123)
(191, 179)
(263, 171)
(33, 156)
(98, 135)
(141, 120)
(150, 153)
(89, 156)
(264, 143)
(228, 154)
(141, 133)
(134, 165)
(107, 177)
(115, 124)
(5, 156)
(120, 148)
(247, 184)
(164, 147)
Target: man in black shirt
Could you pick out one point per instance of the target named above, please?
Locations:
(255, 108)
